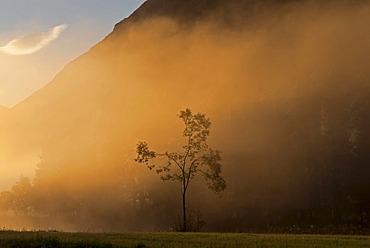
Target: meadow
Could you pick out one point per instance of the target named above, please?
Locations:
(176, 240)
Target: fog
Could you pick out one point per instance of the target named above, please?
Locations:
(286, 86)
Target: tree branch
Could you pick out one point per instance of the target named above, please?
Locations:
(188, 151)
(169, 157)
(190, 168)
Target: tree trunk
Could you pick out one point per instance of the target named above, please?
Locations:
(184, 224)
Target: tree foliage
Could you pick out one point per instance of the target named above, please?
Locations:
(194, 158)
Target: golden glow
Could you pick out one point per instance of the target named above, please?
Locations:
(128, 88)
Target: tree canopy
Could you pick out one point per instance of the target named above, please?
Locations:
(195, 158)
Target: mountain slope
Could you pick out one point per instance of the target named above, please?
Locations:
(55, 109)
(61, 101)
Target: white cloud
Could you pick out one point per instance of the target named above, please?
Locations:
(32, 43)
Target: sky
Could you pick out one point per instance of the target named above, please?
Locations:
(39, 37)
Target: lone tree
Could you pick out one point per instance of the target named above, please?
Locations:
(195, 157)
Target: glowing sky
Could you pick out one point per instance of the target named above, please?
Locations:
(39, 37)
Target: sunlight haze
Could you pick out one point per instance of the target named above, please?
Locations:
(247, 116)
(26, 30)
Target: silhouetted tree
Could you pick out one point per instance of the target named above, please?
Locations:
(196, 157)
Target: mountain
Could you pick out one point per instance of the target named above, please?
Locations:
(61, 101)
(285, 84)
(93, 90)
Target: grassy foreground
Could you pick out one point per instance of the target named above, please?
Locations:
(141, 240)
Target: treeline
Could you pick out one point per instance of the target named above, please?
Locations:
(315, 176)
(79, 199)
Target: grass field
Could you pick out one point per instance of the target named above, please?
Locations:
(141, 240)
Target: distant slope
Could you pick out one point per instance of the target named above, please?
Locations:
(86, 86)
(93, 88)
